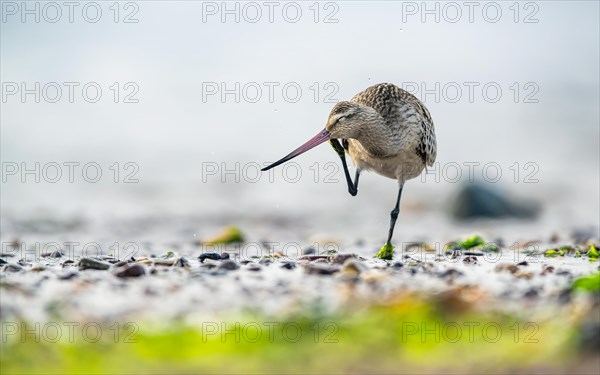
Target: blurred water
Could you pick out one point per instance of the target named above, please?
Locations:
(177, 134)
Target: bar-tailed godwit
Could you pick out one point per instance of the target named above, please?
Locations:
(384, 129)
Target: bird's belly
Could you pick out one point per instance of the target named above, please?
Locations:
(403, 166)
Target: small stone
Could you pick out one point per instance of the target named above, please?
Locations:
(253, 267)
(510, 267)
(12, 268)
(450, 272)
(3, 262)
(38, 267)
(470, 260)
(288, 265)
(342, 258)
(547, 269)
(54, 254)
(523, 263)
(353, 267)
(68, 276)
(320, 269)
(225, 256)
(473, 253)
(265, 261)
(212, 256)
(133, 270)
(397, 265)
(94, 264)
(182, 262)
(523, 275)
(67, 262)
(228, 265)
(309, 251)
(531, 293)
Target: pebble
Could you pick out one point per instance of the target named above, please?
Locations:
(12, 268)
(225, 256)
(213, 256)
(397, 265)
(182, 262)
(510, 267)
(229, 265)
(54, 254)
(354, 267)
(133, 270)
(470, 260)
(288, 265)
(94, 264)
(320, 269)
(3, 262)
(68, 276)
(253, 267)
(342, 258)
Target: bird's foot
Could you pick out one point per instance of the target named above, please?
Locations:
(386, 252)
(339, 149)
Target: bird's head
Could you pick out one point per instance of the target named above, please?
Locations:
(346, 120)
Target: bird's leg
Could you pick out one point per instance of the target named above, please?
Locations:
(352, 186)
(387, 251)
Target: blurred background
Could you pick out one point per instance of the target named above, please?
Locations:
(196, 96)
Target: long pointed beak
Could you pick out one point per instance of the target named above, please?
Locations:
(323, 136)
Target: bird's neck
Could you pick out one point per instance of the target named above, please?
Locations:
(376, 139)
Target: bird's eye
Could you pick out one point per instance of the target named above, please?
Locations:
(341, 118)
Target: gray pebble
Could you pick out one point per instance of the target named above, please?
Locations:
(133, 270)
(94, 264)
(228, 265)
(12, 268)
(320, 269)
(213, 256)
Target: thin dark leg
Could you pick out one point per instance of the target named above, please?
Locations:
(352, 186)
(394, 215)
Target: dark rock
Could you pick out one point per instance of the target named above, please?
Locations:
(54, 254)
(253, 267)
(12, 268)
(309, 251)
(450, 272)
(288, 265)
(68, 276)
(225, 256)
(397, 265)
(3, 262)
(265, 261)
(23, 262)
(320, 269)
(228, 265)
(531, 293)
(478, 199)
(212, 256)
(473, 253)
(182, 262)
(132, 270)
(94, 264)
(523, 263)
(470, 260)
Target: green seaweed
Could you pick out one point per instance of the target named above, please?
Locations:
(590, 283)
(593, 253)
(470, 242)
(386, 252)
(551, 253)
(229, 235)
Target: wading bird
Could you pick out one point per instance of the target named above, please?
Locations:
(384, 129)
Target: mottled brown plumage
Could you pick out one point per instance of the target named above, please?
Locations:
(384, 129)
(387, 130)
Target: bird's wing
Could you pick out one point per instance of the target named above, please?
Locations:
(387, 98)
